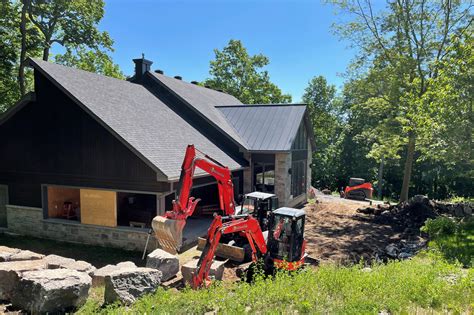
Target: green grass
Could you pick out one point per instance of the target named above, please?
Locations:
(96, 255)
(426, 283)
(452, 238)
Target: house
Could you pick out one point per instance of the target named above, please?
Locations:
(92, 159)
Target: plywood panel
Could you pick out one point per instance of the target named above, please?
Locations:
(57, 196)
(99, 207)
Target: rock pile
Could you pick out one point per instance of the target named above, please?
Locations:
(39, 284)
(414, 213)
(406, 219)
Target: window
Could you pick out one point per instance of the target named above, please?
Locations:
(264, 177)
(301, 139)
(298, 178)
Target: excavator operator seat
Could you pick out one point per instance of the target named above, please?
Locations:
(286, 233)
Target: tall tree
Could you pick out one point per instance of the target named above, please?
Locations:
(8, 53)
(69, 23)
(236, 72)
(324, 112)
(92, 61)
(403, 46)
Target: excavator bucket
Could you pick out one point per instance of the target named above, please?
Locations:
(169, 233)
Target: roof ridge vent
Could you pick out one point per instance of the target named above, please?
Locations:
(178, 77)
(195, 82)
(159, 71)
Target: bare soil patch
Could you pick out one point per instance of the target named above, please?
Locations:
(335, 232)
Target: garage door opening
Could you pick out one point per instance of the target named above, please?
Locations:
(136, 210)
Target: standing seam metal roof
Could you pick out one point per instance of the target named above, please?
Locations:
(266, 127)
(153, 131)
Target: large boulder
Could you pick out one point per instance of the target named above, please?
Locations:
(25, 255)
(216, 271)
(99, 275)
(127, 286)
(56, 262)
(10, 273)
(51, 290)
(7, 252)
(165, 262)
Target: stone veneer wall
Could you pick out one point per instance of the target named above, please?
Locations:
(29, 221)
(248, 175)
(282, 178)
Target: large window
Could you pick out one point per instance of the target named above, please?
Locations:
(100, 207)
(298, 178)
(264, 177)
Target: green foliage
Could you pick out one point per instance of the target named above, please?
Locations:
(239, 74)
(453, 239)
(71, 24)
(439, 227)
(423, 284)
(403, 49)
(325, 113)
(98, 62)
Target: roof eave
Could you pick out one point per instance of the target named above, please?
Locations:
(25, 100)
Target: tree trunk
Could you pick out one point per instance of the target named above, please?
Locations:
(380, 178)
(46, 52)
(21, 69)
(408, 168)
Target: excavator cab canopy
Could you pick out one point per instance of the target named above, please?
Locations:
(259, 204)
(286, 234)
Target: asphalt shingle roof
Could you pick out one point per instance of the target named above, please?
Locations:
(138, 118)
(204, 101)
(266, 127)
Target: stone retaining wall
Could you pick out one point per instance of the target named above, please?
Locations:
(29, 221)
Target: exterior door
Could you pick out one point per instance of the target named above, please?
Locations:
(3, 203)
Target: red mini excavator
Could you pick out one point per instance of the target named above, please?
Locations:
(284, 248)
(169, 228)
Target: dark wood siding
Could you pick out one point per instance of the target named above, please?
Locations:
(53, 141)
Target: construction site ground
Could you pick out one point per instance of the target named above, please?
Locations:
(334, 234)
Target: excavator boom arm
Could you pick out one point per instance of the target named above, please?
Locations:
(184, 205)
(169, 228)
(246, 224)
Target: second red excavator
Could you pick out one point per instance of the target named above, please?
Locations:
(284, 248)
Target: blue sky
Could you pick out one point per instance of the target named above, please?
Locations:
(179, 37)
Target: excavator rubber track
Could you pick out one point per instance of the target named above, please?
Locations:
(169, 233)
